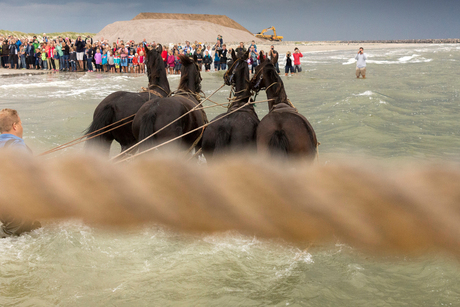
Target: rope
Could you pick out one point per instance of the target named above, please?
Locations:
(85, 137)
(180, 136)
(142, 141)
(374, 208)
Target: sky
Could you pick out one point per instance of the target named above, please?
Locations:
(296, 20)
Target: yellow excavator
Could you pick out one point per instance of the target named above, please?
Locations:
(273, 37)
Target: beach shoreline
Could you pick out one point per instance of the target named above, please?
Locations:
(283, 47)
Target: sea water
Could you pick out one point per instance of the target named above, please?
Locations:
(406, 110)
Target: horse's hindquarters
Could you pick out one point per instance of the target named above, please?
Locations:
(286, 134)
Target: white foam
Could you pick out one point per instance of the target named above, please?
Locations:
(350, 61)
(36, 85)
(366, 93)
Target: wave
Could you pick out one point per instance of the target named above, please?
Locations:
(409, 59)
(366, 93)
(35, 85)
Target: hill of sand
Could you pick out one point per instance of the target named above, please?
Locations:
(177, 28)
(217, 19)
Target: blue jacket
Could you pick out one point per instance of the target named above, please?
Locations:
(18, 44)
(12, 141)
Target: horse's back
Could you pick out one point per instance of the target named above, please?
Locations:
(235, 131)
(123, 103)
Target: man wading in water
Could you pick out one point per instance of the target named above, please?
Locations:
(11, 138)
(361, 57)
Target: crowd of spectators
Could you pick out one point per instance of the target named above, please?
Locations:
(85, 54)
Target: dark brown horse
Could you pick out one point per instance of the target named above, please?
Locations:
(157, 113)
(235, 131)
(120, 105)
(283, 131)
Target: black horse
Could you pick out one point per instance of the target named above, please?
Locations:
(283, 131)
(236, 131)
(120, 105)
(158, 113)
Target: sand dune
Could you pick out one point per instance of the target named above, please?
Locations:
(175, 31)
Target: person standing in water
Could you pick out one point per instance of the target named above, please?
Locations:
(11, 137)
(361, 58)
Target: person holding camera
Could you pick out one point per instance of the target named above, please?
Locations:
(273, 54)
(361, 58)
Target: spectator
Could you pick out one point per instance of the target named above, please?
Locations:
(361, 58)
(273, 54)
(98, 60)
(216, 61)
(80, 48)
(253, 56)
(223, 57)
(66, 56)
(207, 61)
(171, 62)
(297, 55)
(89, 57)
(240, 50)
(288, 64)
(199, 58)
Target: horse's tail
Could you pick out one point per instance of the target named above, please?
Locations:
(279, 143)
(146, 129)
(101, 119)
(224, 133)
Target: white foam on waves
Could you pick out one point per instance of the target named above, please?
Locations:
(408, 59)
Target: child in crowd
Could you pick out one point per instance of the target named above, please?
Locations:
(141, 62)
(104, 61)
(116, 61)
(98, 59)
(44, 59)
(56, 59)
(177, 63)
(199, 58)
(170, 62)
(38, 58)
(73, 59)
(130, 61)
(136, 63)
(110, 61)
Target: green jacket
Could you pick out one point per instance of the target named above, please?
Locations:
(59, 50)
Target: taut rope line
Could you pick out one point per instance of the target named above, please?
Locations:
(182, 135)
(142, 141)
(57, 148)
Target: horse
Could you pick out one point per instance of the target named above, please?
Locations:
(123, 105)
(236, 131)
(283, 131)
(158, 113)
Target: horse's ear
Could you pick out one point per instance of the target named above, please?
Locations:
(275, 59)
(146, 51)
(233, 55)
(159, 48)
(195, 58)
(246, 55)
(261, 57)
(185, 60)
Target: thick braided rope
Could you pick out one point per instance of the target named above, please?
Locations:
(402, 211)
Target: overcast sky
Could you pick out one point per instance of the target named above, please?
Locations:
(306, 20)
